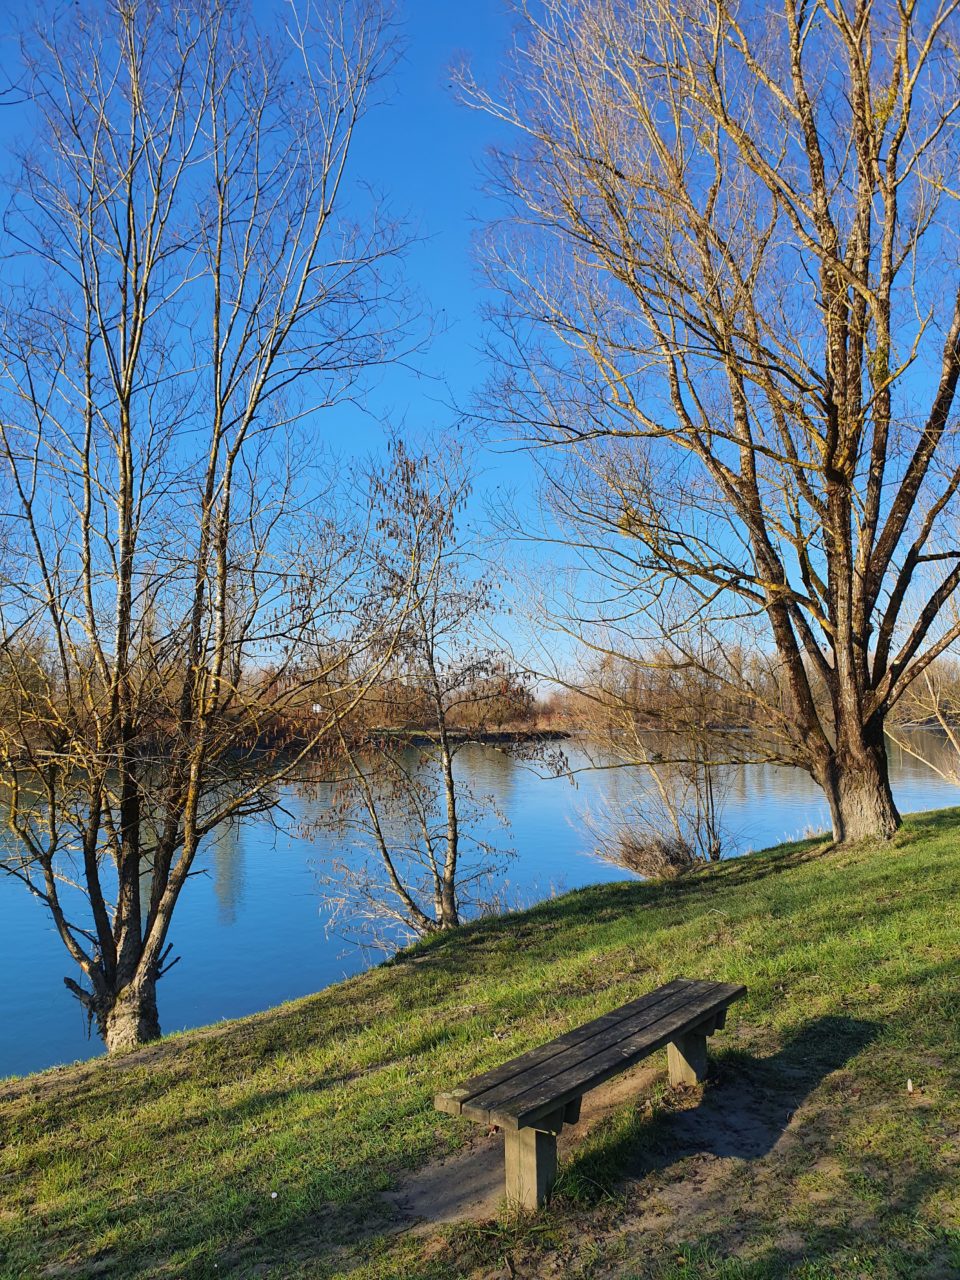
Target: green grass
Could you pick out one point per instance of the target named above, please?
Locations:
(163, 1163)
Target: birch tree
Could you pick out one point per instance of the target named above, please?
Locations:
(730, 318)
(420, 847)
(191, 277)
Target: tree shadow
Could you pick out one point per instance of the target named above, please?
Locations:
(841, 1231)
(746, 1107)
(594, 904)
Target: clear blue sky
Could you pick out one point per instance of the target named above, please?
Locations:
(423, 151)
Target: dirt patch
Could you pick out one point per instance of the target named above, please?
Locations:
(468, 1185)
(718, 1164)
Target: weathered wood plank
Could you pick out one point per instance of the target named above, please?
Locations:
(687, 1058)
(697, 997)
(578, 1080)
(578, 1077)
(530, 1167)
(450, 1100)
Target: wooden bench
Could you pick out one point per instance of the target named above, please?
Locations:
(532, 1097)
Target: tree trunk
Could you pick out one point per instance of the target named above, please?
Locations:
(449, 914)
(856, 781)
(132, 1019)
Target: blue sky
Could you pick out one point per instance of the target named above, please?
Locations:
(423, 151)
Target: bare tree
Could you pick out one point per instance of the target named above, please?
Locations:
(668, 728)
(730, 278)
(674, 825)
(420, 849)
(191, 282)
(927, 724)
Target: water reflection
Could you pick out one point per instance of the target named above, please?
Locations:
(227, 868)
(918, 751)
(251, 933)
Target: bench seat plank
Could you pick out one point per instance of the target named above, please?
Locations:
(451, 1100)
(536, 1083)
(580, 1077)
(697, 1001)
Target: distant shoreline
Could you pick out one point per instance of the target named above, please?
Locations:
(482, 737)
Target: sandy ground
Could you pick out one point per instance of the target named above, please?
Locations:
(759, 1136)
(469, 1184)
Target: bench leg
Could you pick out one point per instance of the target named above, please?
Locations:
(687, 1058)
(531, 1166)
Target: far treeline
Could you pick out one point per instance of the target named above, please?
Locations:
(725, 322)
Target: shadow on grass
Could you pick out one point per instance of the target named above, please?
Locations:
(826, 1255)
(594, 904)
(746, 1107)
(881, 1233)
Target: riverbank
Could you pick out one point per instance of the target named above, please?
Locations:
(479, 737)
(251, 928)
(295, 738)
(264, 1146)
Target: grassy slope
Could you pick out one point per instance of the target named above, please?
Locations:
(163, 1163)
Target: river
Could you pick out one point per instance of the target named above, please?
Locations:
(251, 930)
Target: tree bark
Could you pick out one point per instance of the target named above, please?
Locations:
(449, 914)
(856, 781)
(132, 1019)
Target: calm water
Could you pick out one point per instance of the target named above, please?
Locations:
(251, 932)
